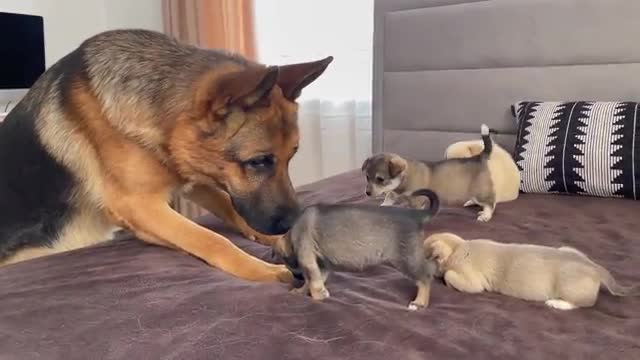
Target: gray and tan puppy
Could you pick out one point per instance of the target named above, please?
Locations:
(354, 237)
(456, 181)
(564, 278)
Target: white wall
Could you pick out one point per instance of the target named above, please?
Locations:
(144, 14)
(68, 22)
(335, 110)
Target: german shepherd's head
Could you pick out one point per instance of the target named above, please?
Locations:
(240, 136)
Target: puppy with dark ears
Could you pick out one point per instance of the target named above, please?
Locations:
(456, 181)
(390, 173)
(354, 237)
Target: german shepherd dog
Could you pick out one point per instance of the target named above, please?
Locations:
(107, 134)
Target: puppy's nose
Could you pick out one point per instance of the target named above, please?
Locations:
(368, 192)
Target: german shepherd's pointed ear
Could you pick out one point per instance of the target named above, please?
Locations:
(295, 77)
(244, 89)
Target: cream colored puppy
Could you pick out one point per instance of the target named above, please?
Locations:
(564, 278)
(504, 172)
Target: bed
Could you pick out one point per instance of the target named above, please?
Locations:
(440, 68)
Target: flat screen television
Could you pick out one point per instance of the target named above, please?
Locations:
(22, 55)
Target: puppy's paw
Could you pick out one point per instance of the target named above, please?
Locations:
(387, 203)
(320, 294)
(446, 278)
(559, 304)
(469, 203)
(303, 290)
(484, 216)
(414, 306)
(437, 253)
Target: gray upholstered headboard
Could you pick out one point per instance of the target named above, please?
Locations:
(443, 67)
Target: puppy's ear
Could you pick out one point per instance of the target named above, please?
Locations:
(428, 250)
(244, 89)
(440, 251)
(397, 166)
(295, 77)
(364, 165)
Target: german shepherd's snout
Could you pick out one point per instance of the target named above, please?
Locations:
(267, 216)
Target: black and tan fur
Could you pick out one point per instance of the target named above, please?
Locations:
(456, 181)
(108, 133)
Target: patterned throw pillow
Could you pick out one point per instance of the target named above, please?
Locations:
(581, 147)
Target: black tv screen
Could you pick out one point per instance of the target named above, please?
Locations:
(21, 50)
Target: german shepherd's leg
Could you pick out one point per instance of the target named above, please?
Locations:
(219, 204)
(153, 220)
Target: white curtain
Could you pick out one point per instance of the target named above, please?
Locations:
(335, 110)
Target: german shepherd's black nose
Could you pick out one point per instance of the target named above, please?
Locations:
(285, 220)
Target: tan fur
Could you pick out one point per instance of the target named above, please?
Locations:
(129, 155)
(564, 279)
(90, 225)
(136, 189)
(86, 229)
(454, 182)
(504, 172)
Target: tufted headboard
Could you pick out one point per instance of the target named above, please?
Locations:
(443, 67)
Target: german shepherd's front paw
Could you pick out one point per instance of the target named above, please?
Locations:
(283, 274)
(271, 273)
(268, 240)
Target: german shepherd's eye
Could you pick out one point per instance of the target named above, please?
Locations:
(262, 162)
(379, 179)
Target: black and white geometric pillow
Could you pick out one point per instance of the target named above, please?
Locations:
(580, 147)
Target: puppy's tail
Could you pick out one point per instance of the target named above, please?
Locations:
(613, 286)
(486, 139)
(434, 202)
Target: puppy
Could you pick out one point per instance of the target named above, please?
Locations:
(456, 181)
(504, 171)
(354, 237)
(564, 278)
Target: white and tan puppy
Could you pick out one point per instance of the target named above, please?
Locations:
(564, 278)
(505, 174)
